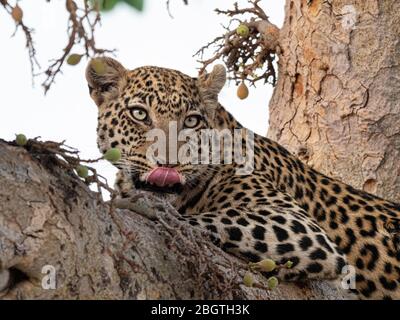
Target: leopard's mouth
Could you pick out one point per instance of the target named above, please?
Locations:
(160, 180)
(143, 185)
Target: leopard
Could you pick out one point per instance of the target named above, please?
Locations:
(282, 209)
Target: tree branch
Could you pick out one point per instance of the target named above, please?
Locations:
(48, 216)
(248, 57)
(82, 22)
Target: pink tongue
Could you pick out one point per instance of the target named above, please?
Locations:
(162, 176)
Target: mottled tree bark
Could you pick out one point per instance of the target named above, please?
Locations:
(48, 216)
(337, 99)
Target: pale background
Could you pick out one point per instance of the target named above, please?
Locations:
(147, 38)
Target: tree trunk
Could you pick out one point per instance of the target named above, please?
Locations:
(337, 100)
(49, 217)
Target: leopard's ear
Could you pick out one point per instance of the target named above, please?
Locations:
(210, 84)
(104, 76)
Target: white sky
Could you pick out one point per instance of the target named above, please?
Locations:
(147, 38)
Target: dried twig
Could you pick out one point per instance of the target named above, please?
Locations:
(68, 158)
(248, 57)
(81, 27)
(82, 22)
(186, 2)
(27, 32)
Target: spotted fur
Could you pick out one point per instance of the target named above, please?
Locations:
(283, 210)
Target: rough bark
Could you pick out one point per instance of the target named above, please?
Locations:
(337, 99)
(49, 216)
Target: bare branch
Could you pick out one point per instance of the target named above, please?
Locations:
(82, 22)
(81, 29)
(68, 158)
(27, 31)
(255, 10)
(186, 2)
(248, 55)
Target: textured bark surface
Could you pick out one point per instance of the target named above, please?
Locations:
(337, 100)
(48, 216)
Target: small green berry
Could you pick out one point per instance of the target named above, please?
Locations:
(74, 59)
(82, 171)
(267, 265)
(248, 280)
(272, 282)
(21, 139)
(288, 264)
(112, 155)
(243, 30)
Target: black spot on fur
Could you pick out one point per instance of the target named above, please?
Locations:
(314, 267)
(305, 243)
(238, 196)
(340, 263)
(351, 240)
(256, 218)
(261, 247)
(234, 233)
(279, 219)
(242, 222)
(318, 254)
(388, 268)
(387, 284)
(284, 248)
(322, 241)
(232, 213)
(258, 232)
(336, 188)
(360, 263)
(226, 221)
(325, 181)
(281, 234)
(252, 257)
(297, 227)
(372, 251)
(371, 287)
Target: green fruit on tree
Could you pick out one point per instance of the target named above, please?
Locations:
(21, 139)
(105, 5)
(272, 282)
(98, 66)
(82, 171)
(112, 155)
(288, 264)
(267, 265)
(74, 59)
(243, 30)
(248, 280)
(137, 4)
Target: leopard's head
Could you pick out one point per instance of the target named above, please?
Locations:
(138, 107)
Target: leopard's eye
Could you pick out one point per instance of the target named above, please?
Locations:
(192, 121)
(139, 113)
